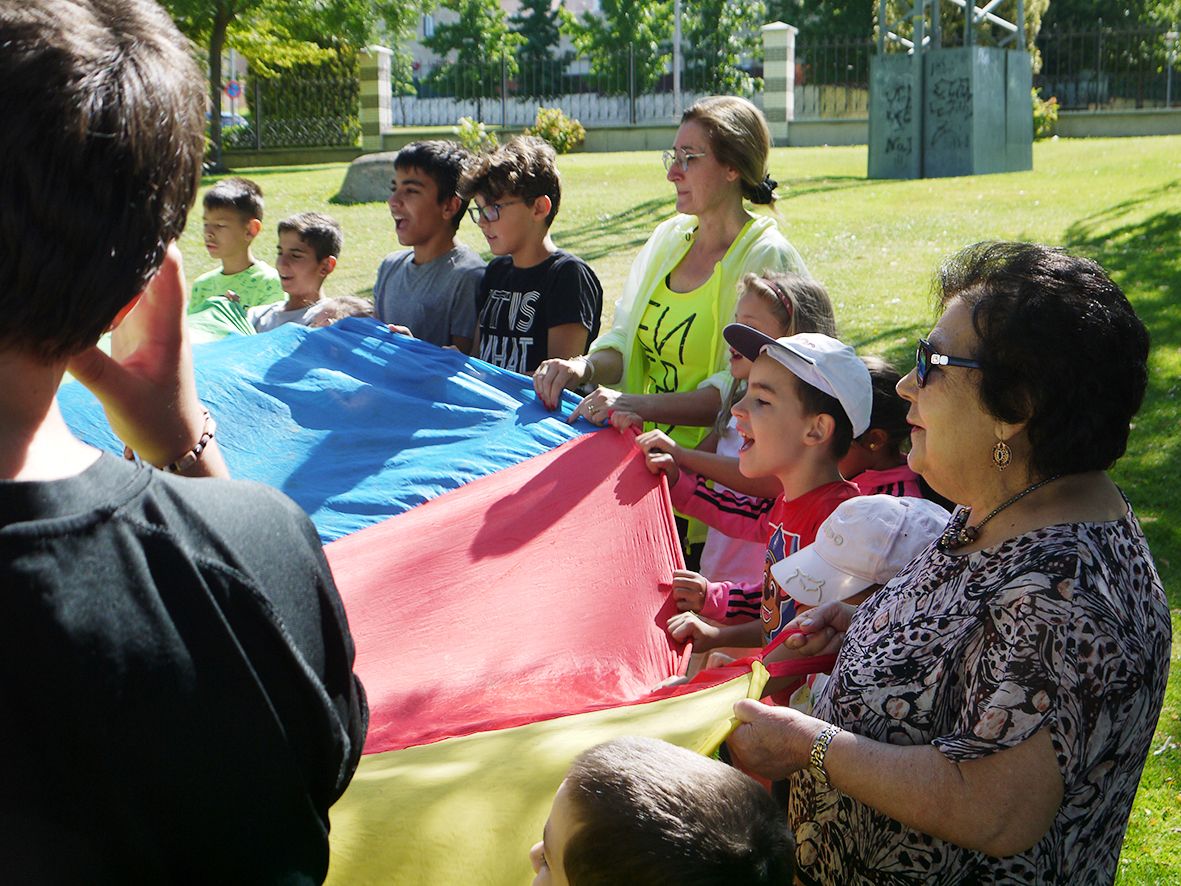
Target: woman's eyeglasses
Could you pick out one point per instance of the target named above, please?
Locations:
(680, 159)
(491, 212)
(926, 357)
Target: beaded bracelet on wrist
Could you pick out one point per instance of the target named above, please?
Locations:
(190, 458)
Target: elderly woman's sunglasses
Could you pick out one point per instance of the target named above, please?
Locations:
(926, 357)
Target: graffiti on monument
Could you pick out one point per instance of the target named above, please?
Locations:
(949, 107)
(899, 106)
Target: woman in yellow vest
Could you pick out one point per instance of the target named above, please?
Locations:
(664, 358)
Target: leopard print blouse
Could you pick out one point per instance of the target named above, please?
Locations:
(1066, 626)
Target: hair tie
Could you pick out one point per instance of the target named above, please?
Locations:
(764, 191)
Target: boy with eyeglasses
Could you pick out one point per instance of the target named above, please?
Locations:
(429, 290)
(536, 301)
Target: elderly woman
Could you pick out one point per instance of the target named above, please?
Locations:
(682, 288)
(992, 706)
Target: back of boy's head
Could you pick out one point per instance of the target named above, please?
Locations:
(800, 303)
(651, 813)
(320, 232)
(525, 166)
(238, 194)
(889, 409)
(102, 145)
(444, 162)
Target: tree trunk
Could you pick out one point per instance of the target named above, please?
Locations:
(217, 41)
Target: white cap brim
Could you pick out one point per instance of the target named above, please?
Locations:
(812, 580)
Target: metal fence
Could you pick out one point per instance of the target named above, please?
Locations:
(1099, 69)
(625, 88)
(295, 112)
(1109, 68)
(832, 78)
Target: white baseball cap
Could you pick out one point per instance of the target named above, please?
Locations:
(866, 541)
(820, 360)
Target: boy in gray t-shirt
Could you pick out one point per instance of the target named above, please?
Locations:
(429, 291)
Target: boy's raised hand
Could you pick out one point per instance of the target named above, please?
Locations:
(146, 385)
(689, 627)
(689, 590)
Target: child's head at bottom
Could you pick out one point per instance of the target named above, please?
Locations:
(642, 811)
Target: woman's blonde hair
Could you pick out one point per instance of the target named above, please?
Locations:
(799, 303)
(738, 137)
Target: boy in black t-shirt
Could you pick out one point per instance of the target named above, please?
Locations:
(179, 701)
(535, 301)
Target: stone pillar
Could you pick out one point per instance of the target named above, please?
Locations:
(779, 78)
(375, 96)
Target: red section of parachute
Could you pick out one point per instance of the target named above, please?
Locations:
(536, 592)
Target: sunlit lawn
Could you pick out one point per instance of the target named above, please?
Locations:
(875, 244)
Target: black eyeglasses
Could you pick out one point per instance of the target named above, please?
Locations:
(491, 212)
(926, 357)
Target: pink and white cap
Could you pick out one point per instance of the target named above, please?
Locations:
(866, 541)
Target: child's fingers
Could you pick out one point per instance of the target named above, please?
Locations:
(682, 625)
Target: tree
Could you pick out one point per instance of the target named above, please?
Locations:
(718, 36)
(823, 20)
(1085, 14)
(207, 22)
(282, 33)
(537, 21)
(643, 26)
(475, 47)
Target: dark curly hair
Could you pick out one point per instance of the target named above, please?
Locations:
(102, 143)
(1060, 348)
(525, 166)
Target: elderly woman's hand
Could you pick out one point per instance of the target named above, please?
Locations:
(772, 741)
(823, 631)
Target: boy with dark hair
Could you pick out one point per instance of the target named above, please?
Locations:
(807, 397)
(188, 630)
(535, 300)
(644, 812)
(429, 290)
(309, 244)
(233, 218)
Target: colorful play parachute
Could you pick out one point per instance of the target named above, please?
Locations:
(506, 578)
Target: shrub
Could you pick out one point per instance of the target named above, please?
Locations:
(1045, 115)
(474, 136)
(559, 130)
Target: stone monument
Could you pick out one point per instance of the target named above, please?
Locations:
(939, 111)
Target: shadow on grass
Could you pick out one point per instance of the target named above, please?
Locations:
(806, 187)
(617, 231)
(1143, 255)
(265, 171)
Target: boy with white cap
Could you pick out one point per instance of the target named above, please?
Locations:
(807, 397)
(862, 545)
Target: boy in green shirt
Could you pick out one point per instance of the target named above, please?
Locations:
(232, 219)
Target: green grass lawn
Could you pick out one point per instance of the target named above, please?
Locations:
(875, 244)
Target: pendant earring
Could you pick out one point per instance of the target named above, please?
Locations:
(1001, 455)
